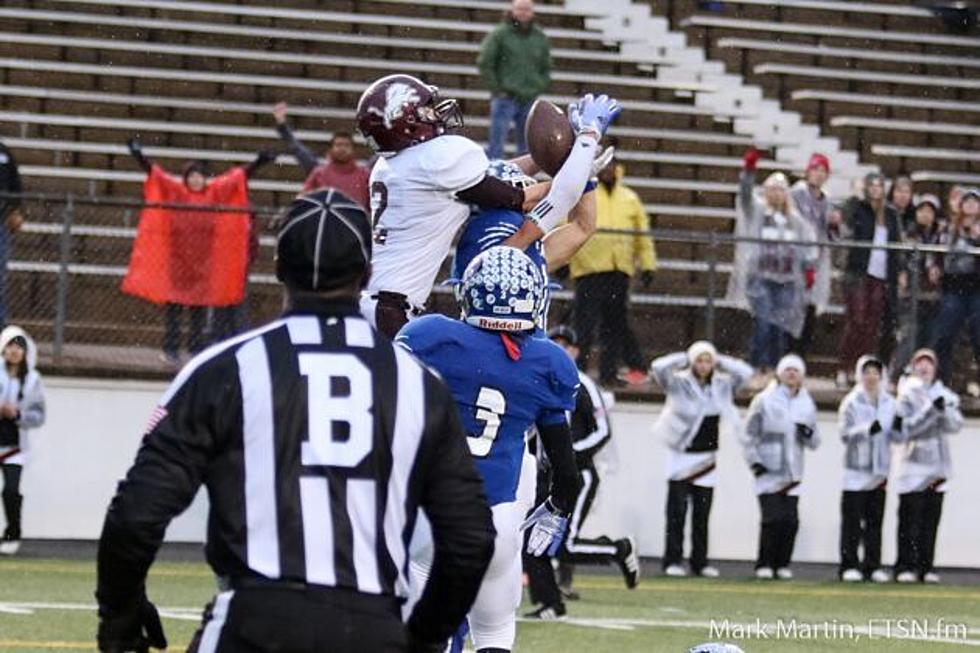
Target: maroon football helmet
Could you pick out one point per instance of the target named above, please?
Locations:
(399, 111)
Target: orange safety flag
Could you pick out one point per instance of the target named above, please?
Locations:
(188, 257)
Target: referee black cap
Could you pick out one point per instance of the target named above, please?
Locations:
(324, 242)
(565, 333)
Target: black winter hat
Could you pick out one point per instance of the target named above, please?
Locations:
(564, 332)
(324, 242)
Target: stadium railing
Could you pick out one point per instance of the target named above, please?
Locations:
(63, 281)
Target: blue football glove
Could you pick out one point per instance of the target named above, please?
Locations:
(548, 526)
(593, 114)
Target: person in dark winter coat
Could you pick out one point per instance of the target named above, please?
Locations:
(925, 230)
(961, 284)
(870, 280)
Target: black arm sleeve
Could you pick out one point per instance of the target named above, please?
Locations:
(583, 425)
(304, 155)
(583, 419)
(565, 480)
(462, 525)
(160, 485)
(492, 193)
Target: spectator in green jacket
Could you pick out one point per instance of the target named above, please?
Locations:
(515, 63)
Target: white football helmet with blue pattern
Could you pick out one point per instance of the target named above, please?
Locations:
(510, 173)
(502, 290)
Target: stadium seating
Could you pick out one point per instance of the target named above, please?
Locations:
(197, 80)
(884, 74)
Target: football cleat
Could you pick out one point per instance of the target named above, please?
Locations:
(628, 561)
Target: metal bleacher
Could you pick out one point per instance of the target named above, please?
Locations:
(198, 79)
(877, 75)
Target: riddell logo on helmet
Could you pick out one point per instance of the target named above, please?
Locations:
(499, 324)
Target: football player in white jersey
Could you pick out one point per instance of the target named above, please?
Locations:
(426, 178)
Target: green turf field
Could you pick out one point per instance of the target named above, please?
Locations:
(47, 604)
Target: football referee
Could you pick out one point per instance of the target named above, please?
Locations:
(318, 442)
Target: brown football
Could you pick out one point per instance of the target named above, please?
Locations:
(548, 135)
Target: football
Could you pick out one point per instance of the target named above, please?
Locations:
(548, 135)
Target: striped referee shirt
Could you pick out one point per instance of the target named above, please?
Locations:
(317, 441)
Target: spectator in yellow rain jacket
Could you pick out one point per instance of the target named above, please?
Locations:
(602, 270)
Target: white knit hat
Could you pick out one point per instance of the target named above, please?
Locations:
(791, 361)
(778, 180)
(701, 347)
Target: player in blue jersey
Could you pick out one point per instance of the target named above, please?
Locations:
(504, 382)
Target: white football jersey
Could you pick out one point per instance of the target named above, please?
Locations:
(416, 214)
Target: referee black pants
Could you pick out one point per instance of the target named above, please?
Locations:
(325, 620)
(861, 516)
(918, 523)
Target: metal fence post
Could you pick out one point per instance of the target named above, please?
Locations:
(61, 302)
(915, 283)
(709, 312)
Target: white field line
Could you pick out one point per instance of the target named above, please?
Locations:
(193, 614)
(27, 608)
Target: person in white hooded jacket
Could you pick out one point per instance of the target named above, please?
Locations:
(700, 386)
(780, 424)
(866, 419)
(21, 409)
(929, 411)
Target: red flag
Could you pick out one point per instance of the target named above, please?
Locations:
(193, 258)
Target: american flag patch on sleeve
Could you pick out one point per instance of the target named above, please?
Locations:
(155, 418)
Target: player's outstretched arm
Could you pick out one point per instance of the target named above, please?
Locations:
(589, 117)
(561, 244)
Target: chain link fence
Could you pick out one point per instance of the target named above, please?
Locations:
(66, 265)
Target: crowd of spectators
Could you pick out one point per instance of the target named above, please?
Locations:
(783, 276)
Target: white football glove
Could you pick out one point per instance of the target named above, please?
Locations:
(548, 526)
(593, 114)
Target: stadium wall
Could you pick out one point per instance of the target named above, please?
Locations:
(94, 429)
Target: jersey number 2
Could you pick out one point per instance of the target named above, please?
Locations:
(491, 405)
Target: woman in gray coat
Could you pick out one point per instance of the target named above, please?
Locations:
(780, 425)
(866, 418)
(929, 412)
(700, 385)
